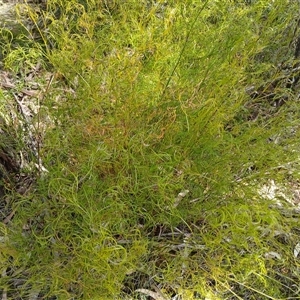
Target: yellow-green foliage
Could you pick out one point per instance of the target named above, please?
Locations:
(158, 106)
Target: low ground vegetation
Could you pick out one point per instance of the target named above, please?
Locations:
(149, 150)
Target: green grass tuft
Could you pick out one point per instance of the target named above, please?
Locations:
(157, 153)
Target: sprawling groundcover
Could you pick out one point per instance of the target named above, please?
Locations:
(149, 150)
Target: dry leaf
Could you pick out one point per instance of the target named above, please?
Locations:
(297, 250)
(154, 295)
